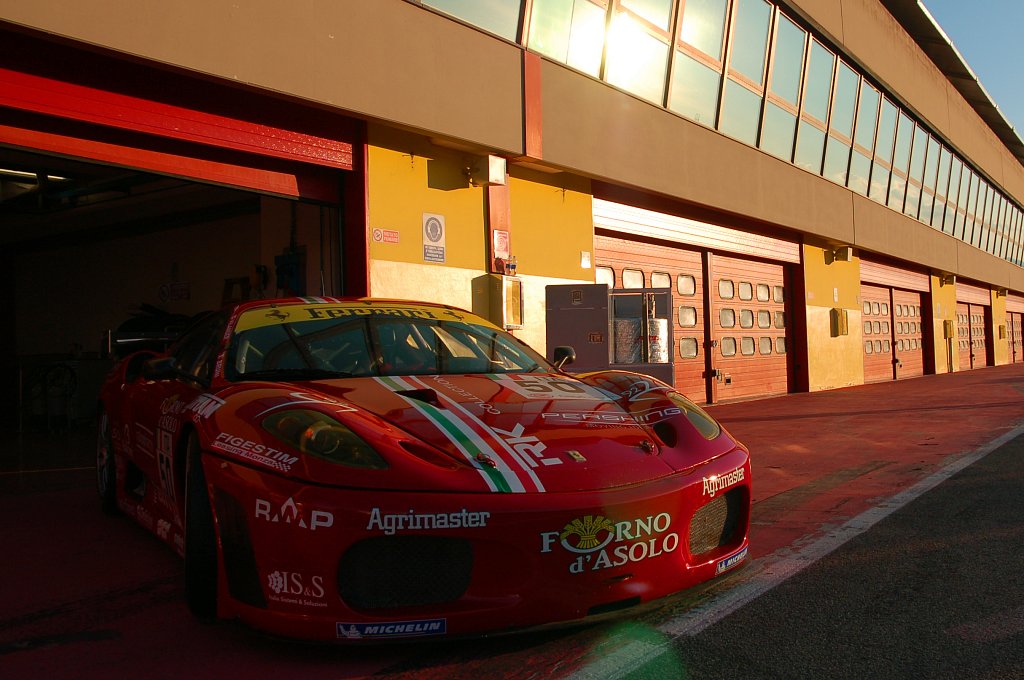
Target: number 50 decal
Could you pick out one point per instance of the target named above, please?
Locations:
(547, 387)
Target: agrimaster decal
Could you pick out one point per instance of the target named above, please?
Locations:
(390, 523)
(716, 483)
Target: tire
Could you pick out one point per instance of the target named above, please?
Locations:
(200, 537)
(106, 467)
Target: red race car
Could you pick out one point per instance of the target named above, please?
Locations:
(377, 469)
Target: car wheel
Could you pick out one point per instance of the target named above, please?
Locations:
(200, 537)
(106, 468)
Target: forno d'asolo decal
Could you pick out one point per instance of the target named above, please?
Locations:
(600, 543)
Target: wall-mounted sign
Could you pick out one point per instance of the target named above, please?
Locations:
(433, 238)
(385, 235)
(501, 244)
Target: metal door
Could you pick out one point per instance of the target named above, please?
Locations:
(622, 263)
(878, 333)
(748, 320)
(1013, 332)
(971, 335)
(908, 336)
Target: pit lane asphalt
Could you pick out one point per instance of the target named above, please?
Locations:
(858, 567)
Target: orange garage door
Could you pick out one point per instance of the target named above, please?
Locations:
(877, 319)
(908, 323)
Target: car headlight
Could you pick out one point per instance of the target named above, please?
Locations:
(698, 417)
(319, 435)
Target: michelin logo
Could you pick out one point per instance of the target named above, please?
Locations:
(391, 629)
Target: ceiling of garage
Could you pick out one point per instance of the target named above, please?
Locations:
(45, 200)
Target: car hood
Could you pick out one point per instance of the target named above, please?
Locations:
(524, 432)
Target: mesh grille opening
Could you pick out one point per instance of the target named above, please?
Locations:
(405, 571)
(714, 525)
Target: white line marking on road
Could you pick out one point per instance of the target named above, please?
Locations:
(772, 570)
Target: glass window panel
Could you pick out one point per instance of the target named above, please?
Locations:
(727, 318)
(636, 61)
(810, 147)
(879, 182)
(740, 113)
(764, 345)
(500, 17)
(780, 345)
(726, 289)
(764, 318)
(728, 347)
(860, 169)
(658, 12)
(764, 293)
(746, 318)
(747, 346)
(632, 278)
(913, 200)
(897, 192)
(688, 317)
(904, 133)
(750, 38)
(695, 89)
(661, 280)
(746, 291)
(778, 132)
(886, 131)
(687, 348)
(867, 115)
(780, 320)
(686, 284)
(818, 88)
(942, 176)
(920, 146)
(789, 60)
(868, 347)
(779, 294)
(843, 105)
(605, 275)
(569, 31)
(867, 328)
(837, 160)
(703, 25)
(925, 214)
(867, 307)
(931, 163)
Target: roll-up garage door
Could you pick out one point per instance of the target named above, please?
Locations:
(1014, 322)
(623, 263)
(877, 319)
(748, 320)
(973, 313)
(896, 319)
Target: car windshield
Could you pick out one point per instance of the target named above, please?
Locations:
(350, 346)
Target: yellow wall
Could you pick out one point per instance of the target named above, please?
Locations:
(832, 361)
(1002, 345)
(947, 353)
(552, 224)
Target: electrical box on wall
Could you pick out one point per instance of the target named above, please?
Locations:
(948, 331)
(840, 322)
(506, 301)
(1002, 331)
(488, 171)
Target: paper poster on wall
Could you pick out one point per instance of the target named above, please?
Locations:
(433, 238)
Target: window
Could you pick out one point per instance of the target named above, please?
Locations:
(780, 345)
(840, 138)
(764, 345)
(569, 31)
(779, 126)
(780, 320)
(885, 138)
(728, 347)
(688, 317)
(727, 318)
(661, 280)
(864, 138)
(605, 275)
(876, 308)
(868, 347)
(686, 285)
(636, 58)
(764, 292)
(500, 17)
(746, 318)
(919, 149)
(810, 143)
(941, 188)
(697, 71)
(726, 290)
(900, 162)
(764, 318)
(867, 328)
(687, 348)
(746, 291)
(632, 278)
(884, 309)
(747, 346)
(741, 107)
(867, 307)
(931, 165)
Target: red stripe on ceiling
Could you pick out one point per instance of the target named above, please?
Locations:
(65, 100)
(317, 186)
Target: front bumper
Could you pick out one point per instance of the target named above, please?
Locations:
(320, 563)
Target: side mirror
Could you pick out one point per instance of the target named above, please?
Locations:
(564, 355)
(162, 368)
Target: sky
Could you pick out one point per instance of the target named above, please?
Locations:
(988, 35)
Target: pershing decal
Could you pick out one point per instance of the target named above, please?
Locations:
(391, 629)
(391, 523)
(508, 472)
(600, 543)
(716, 483)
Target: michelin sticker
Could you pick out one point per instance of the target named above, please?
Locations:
(391, 629)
